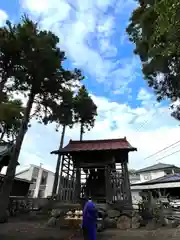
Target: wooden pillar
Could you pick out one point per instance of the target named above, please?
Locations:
(109, 193)
(1, 167)
(78, 183)
(68, 179)
(127, 186)
(73, 185)
(61, 183)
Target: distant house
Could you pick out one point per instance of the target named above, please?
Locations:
(169, 181)
(160, 176)
(133, 176)
(42, 181)
(20, 187)
(156, 171)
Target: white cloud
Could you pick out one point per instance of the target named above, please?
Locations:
(148, 136)
(79, 24)
(3, 17)
(86, 30)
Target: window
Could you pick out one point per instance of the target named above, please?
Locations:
(35, 172)
(147, 177)
(34, 180)
(31, 193)
(44, 178)
(41, 194)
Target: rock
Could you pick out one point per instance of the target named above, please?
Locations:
(147, 214)
(56, 213)
(124, 222)
(32, 215)
(171, 223)
(102, 213)
(62, 223)
(143, 222)
(113, 213)
(100, 226)
(175, 224)
(152, 225)
(110, 222)
(4, 218)
(163, 221)
(51, 222)
(136, 221)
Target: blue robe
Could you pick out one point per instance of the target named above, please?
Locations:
(89, 220)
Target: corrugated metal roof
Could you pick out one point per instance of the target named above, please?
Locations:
(165, 179)
(155, 167)
(96, 145)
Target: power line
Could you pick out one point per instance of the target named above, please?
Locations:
(169, 146)
(148, 120)
(168, 155)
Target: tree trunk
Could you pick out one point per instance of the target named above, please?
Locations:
(10, 174)
(56, 177)
(81, 132)
(78, 171)
(2, 84)
(2, 136)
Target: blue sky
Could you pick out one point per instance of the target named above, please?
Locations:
(92, 33)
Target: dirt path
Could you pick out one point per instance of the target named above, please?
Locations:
(32, 231)
(39, 231)
(163, 233)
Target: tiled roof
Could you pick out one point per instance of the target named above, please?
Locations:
(155, 167)
(96, 145)
(165, 179)
(17, 179)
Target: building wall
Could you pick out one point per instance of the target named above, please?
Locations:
(136, 198)
(50, 182)
(143, 177)
(26, 174)
(42, 181)
(155, 186)
(134, 178)
(147, 176)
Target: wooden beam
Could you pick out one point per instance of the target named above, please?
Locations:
(109, 192)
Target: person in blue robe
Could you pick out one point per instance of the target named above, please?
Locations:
(89, 220)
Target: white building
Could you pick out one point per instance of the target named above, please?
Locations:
(134, 177)
(42, 181)
(151, 178)
(156, 171)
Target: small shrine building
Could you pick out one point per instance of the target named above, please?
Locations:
(96, 168)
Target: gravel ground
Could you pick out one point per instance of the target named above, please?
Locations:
(39, 231)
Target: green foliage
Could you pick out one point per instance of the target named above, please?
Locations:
(11, 115)
(155, 29)
(85, 109)
(9, 56)
(40, 76)
(60, 113)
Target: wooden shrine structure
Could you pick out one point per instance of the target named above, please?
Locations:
(96, 168)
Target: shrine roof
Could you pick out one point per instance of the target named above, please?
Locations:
(96, 145)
